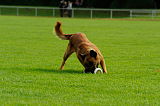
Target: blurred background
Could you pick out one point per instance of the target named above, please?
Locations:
(114, 4)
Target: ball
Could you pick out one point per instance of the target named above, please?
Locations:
(98, 71)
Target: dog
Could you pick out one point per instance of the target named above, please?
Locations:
(87, 53)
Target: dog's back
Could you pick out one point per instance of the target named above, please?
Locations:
(75, 39)
(78, 39)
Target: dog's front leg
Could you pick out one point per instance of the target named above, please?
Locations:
(103, 65)
(68, 52)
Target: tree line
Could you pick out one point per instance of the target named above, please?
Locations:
(120, 4)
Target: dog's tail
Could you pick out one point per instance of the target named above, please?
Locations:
(59, 32)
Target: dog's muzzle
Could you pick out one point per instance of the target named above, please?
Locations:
(89, 69)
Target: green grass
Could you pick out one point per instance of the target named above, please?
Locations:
(30, 56)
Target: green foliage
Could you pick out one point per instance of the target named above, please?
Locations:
(30, 2)
(31, 56)
(89, 3)
(97, 3)
(140, 4)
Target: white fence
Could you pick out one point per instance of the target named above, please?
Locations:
(79, 12)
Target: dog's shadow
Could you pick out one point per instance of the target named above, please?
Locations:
(56, 71)
(45, 70)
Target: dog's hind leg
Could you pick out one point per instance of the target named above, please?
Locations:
(67, 53)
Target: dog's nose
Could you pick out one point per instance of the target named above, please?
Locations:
(90, 69)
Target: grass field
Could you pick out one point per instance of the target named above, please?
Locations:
(30, 56)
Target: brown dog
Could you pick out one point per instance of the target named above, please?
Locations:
(87, 53)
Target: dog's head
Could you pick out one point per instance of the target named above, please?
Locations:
(90, 61)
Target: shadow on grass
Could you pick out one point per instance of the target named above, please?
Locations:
(42, 70)
(55, 71)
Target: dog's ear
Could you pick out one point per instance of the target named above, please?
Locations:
(93, 53)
